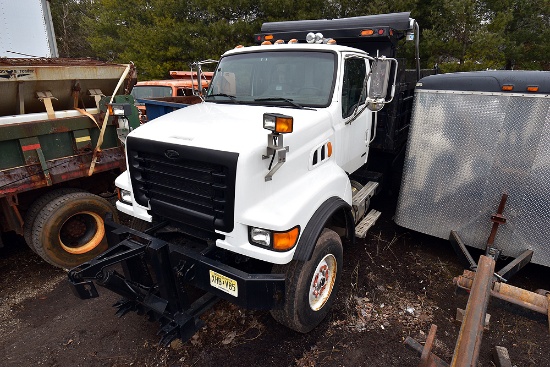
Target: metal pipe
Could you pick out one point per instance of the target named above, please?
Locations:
(434, 361)
(469, 339)
(417, 50)
(518, 302)
(521, 295)
(427, 351)
(518, 296)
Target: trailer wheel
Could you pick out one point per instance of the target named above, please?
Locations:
(311, 287)
(70, 229)
(37, 205)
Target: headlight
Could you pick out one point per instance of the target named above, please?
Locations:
(124, 196)
(260, 237)
(278, 241)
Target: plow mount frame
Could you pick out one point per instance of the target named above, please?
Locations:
(167, 282)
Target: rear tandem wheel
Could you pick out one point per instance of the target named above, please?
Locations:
(70, 229)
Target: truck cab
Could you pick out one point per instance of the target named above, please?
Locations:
(258, 178)
(320, 88)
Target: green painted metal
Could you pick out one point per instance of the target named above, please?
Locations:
(11, 154)
(36, 151)
(44, 166)
(57, 145)
(29, 150)
(44, 127)
(30, 156)
(82, 140)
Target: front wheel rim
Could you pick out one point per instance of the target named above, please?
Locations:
(322, 282)
(88, 240)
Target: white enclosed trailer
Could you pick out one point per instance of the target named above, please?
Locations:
(474, 137)
(27, 29)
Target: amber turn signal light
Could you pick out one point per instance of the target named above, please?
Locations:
(283, 241)
(278, 123)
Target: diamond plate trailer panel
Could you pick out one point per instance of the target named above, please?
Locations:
(465, 150)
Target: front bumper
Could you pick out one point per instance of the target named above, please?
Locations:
(157, 275)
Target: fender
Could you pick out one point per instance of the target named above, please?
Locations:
(313, 229)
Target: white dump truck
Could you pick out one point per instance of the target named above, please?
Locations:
(258, 177)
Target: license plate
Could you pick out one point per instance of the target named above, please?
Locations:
(224, 283)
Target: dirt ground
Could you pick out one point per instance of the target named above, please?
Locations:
(395, 283)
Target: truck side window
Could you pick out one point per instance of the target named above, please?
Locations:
(353, 83)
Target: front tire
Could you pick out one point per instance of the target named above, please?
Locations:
(311, 287)
(70, 230)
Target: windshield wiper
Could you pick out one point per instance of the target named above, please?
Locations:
(287, 100)
(232, 98)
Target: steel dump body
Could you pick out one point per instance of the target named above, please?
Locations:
(469, 143)
(20, 79)
(67, 140)
(62, 127)
(44, 147)
(67, 145)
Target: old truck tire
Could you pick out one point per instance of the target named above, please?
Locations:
(70, 229)
(311, 287)
(37, 205)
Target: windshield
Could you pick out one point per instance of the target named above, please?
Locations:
(275, 78)
(151, 91)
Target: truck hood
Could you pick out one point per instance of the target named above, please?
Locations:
(226, 127)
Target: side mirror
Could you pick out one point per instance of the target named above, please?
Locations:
(381, 69)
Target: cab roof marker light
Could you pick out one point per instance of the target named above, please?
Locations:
(266, 43)
(239, 46)
(292, 41)
(279, 42)
(329, 41)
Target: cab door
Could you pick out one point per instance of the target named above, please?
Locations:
(353, 124)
